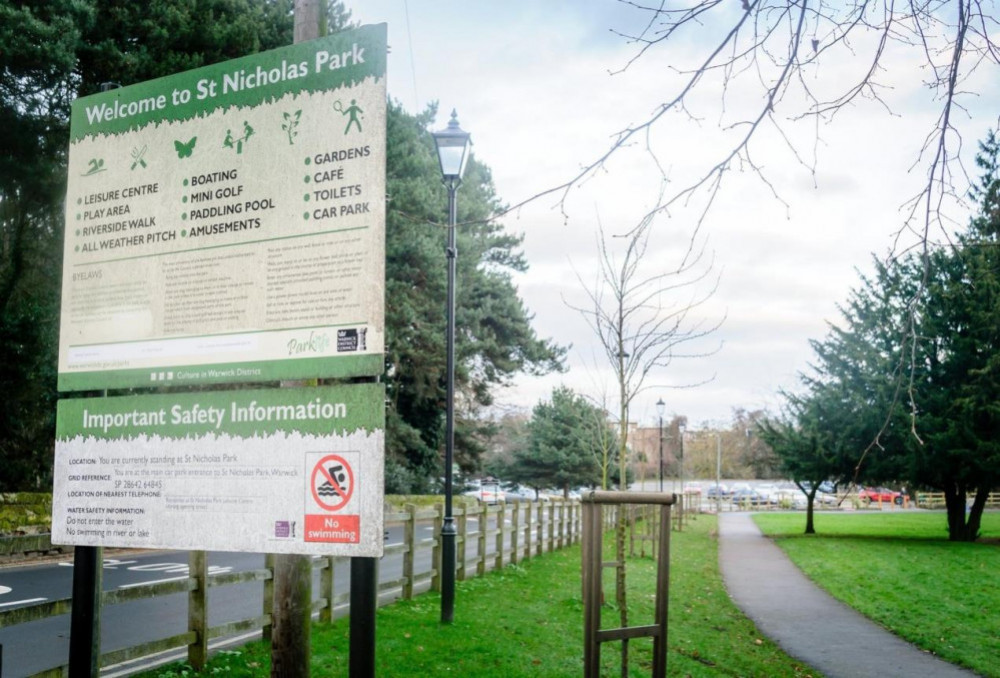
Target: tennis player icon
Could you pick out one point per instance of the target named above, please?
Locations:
(354, 111)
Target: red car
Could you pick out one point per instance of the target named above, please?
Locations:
(880, 494)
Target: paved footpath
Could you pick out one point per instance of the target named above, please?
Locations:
(807, 622)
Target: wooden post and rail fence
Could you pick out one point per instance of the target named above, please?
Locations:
(504, 535)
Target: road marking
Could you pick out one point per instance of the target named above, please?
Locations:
(4, 589)
(160, 567)
(109, 564)
(212, 569)
(23, 602)
(155, 581)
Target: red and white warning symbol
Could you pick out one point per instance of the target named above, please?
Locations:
(332, 482)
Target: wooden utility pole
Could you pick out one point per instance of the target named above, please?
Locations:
(292, 607)
(290, 635)
(307, 20)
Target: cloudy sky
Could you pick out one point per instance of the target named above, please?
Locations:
(543, 87)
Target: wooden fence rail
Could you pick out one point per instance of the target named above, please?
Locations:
(935, 500)
(520, 530)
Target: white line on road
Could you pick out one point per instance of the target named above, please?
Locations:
(24, 602)
(155, 581)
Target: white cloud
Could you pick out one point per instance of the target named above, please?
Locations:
(531, 83)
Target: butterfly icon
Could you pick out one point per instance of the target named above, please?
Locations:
(184, 150)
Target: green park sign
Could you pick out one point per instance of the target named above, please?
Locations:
(227, 224)
(275, 471)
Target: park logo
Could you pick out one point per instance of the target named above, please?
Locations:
(314, 343)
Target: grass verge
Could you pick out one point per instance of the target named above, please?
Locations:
(900, 571)
(527, 620)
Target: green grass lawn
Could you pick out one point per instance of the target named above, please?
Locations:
(527, 620)
(900, 570)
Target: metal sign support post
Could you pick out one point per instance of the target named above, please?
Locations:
(364, 605)
(85, 618)
(364, 602)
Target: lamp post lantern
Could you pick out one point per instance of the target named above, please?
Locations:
(453, 153)
(660, 406)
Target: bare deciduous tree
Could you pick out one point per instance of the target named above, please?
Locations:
(644, 316)
(811, 60)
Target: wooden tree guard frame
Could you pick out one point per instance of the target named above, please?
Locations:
(593, 533)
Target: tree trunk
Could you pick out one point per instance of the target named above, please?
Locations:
(810, 503)
(975, 518)
(954, 499)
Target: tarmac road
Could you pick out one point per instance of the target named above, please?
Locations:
(30, 648)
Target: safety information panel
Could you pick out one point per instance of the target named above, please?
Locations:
(274, 471)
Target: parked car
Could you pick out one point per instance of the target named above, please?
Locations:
(488, 492)
(768, 492)
(747, 496)
(518, 493)
(880, 494)
(692, 488)
(826, 493)
(717, 491)
(791, 498)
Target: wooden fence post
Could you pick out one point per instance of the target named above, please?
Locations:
(410, 545)
(463, 540)
(527, 530)
(515, 530)
(436, 553)
(501, 514)
(484, 517)
(540, 528)
(561, 541)
(552, 527)
(198, 609)
(574, 525)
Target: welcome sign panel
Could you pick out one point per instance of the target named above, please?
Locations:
(227, 224)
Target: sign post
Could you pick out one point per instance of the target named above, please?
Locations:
(227, 225)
